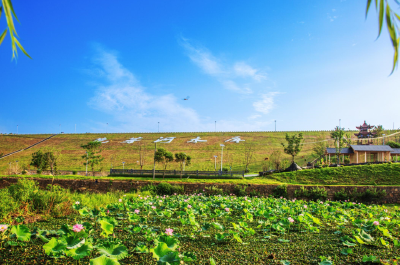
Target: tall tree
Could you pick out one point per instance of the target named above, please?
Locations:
(142, 154)
(92, 157)
(39, 160)
(276, 159)
(340, 141)
(163, 157)
(319, 148)
(248, 154)
(294, 145)
(183, 160)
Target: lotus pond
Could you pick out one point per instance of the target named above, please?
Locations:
(199, 229)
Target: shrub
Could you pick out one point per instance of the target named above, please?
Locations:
(280, 191)
(178, 189)
(371, 195)
(24, 172)
(149, 188)
(213, 190)
(311, 194)
(240, 190)
(393, 144)
(164, 188)
(254, 193)
(74, 172)
(39, 172)
(341, 195)
(23, 190)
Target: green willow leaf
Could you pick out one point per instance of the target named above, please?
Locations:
(381, 13)
(368, 5)
(3, 35)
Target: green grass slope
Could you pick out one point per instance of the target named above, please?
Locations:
(116, 152)
(381, 174)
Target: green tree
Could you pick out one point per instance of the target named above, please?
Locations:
(294, 145)
(340, 141)
(386, 14)
(92, 156)
(163, 157)
(9, 12)
(39, 160)
(319, 148)
(276, 159)
(183, 160)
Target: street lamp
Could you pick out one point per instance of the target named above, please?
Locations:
(222, 154)
(215, 126)
(215, 163)
(158, 126)
(123, 167)
(17, 129)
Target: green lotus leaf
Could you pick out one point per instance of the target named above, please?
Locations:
(366, 237)
(218, 226)
(73, 242)
(22, 232)
(172, 258)
(83, 211)
(348, 244)
(237, 237)
(359, 240)
(55, 247)
(285, 262)
(142, 249)
(112, 250)
(171, 241)
(80, 252)
(161, 250)
(346, 251)
(64, 230)
(212, 261)
(107, 227)
(104, 260)
(283, 240)
(369, 258)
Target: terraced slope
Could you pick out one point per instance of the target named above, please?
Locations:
(116, 152)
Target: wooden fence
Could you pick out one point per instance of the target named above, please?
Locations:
(174, 172)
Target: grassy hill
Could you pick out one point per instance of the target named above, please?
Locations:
(116, 152)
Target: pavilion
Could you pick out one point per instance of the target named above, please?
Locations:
(366, 153)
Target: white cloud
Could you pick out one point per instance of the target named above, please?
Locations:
(127, 100)
(238, 77)
(245, 70)
(266, 104)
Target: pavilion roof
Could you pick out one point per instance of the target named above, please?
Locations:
(372, 148)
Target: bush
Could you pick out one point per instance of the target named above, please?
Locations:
(39, 172)
(368, 196)
(74, 172)
(213, 190)
(311, 194)
(240, 190)
(23, 190)
(254, 193)
(393, 144)
(24, 172)
(225, 169)
(280, 191)
(150, 188)
(164, 188)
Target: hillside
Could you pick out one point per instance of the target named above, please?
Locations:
(115, 152)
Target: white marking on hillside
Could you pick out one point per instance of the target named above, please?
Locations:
(196, 140)
(235, 139)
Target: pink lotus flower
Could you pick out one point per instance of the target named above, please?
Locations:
(169, 231)
(189, 206)
(77, 203)
(226, 209)
(3, 228)
(77, 228)
(291, 219)
(137, 211)
(108, 211)
(120, 200)
(301, 214)
(305, 206)
(153, 207)
(160, 201)
(375, 223)
(151, 203)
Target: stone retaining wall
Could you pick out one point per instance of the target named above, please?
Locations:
(103, 186)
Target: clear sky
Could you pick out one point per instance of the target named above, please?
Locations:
(244, 64)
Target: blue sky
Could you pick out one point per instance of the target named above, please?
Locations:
(244, 64)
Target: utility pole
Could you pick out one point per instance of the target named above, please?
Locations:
(222, 154)
(154, 166)
(158, 126)
(123, 167)
(275, 125)
(215, 126)
(340, 121)
(75, 127)
(215, 163)
(17, 129)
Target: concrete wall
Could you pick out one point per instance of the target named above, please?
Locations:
(102, 186)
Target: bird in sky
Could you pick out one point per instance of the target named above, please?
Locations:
(187, 98)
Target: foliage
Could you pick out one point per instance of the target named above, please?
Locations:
(8, 9)
(319, 148)
(368, 196)
(39, 160)
(382, 174)
(393, 144)
(248, 155)
(340, 141)
(163, 157)
(294, 145)
(276, 159)
(280, 191)
(392, 18)
(92, 156)
(311, 193)
(240, 190)
(163, 188)
(183, 160)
